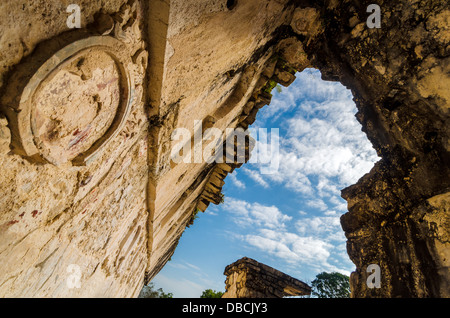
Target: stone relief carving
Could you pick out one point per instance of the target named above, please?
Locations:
(80, 97)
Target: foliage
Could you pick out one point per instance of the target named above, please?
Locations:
(194, 217)
(209, 293)
(150, 292)
(331, 285)
(222, 197)
(270, 86)
(195, 214)
(278, 88)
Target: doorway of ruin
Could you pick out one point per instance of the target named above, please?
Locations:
(288, 218)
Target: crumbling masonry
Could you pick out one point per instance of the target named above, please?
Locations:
(247, 278)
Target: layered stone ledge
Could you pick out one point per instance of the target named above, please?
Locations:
(247, 278)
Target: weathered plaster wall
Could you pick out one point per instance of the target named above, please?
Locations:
(61, 218)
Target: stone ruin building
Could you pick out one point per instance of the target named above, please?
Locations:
(247, 278)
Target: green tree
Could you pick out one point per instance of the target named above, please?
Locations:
(331, 285)
(150, 292)
(278, 88)
(209, 293)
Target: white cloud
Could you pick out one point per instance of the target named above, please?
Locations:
(339, 203)
(256, 176)
(307, 86)
(210, 212)
(255, 215)
(293, 249)
(238, 183)
(318, 204)
(323, 148)
(326, 188)
(306, 242)
(327, 227)
(273, 247)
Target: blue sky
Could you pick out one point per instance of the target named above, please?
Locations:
(289, 219)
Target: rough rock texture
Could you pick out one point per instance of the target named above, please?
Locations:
(88, 186)
(247, 278)
(398, 213)
(203, 79)
(73, 182)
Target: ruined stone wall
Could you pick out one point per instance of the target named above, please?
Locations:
(247, 278)
(399, 74)
(88, 185)
(74, 151)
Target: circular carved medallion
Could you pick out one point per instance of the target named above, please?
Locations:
(76, 102)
